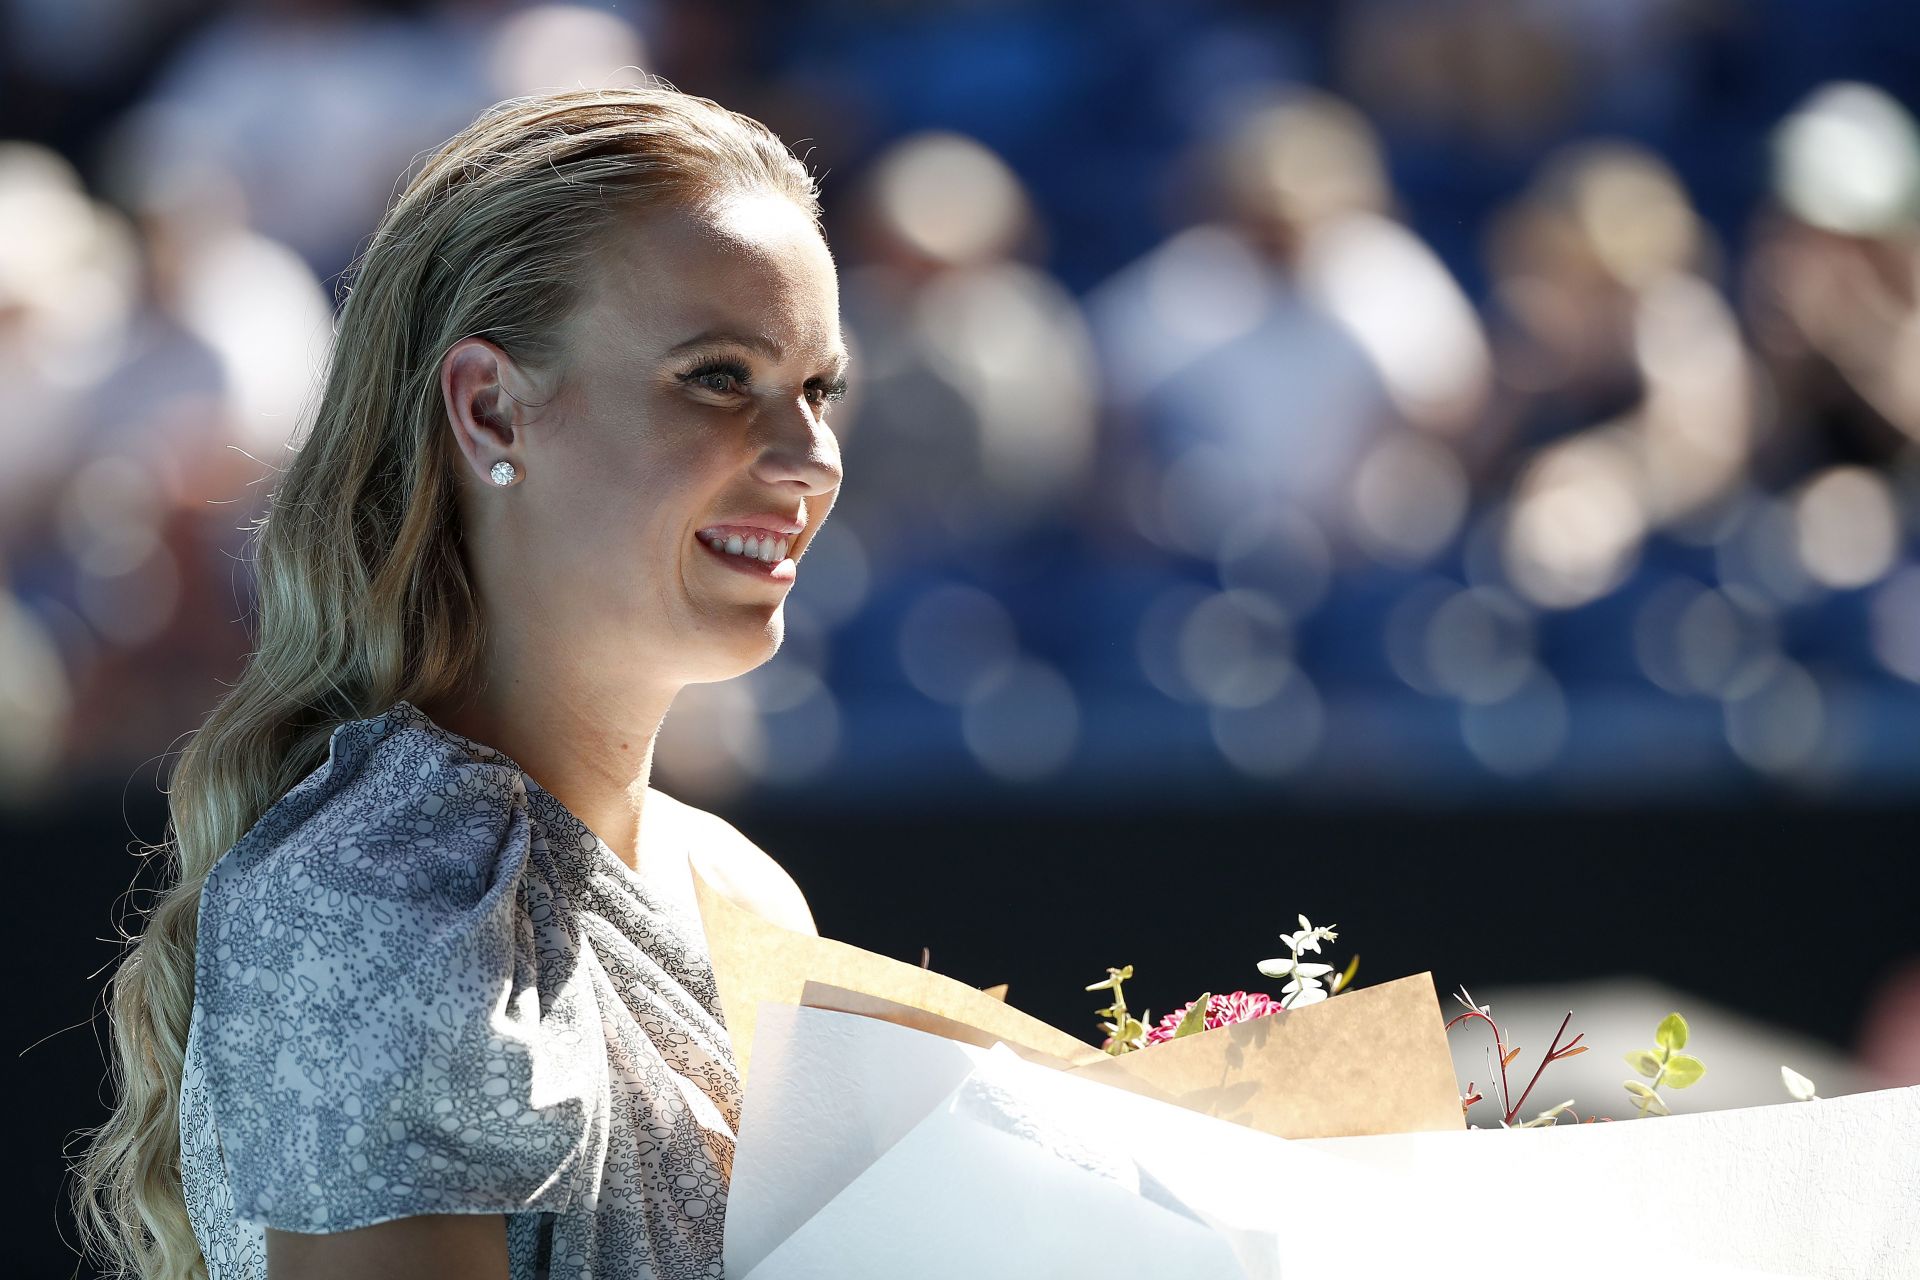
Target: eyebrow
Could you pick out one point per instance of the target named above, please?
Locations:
(753, 342)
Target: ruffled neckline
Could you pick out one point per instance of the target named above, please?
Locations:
(490, 755)
(408, 713)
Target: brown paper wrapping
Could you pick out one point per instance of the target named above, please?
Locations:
(756, 960)
(1372, 1060)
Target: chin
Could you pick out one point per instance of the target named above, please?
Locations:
(752, 648)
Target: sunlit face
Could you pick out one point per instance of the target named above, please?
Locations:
(701, 370)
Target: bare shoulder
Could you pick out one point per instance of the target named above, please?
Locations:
(746, 873)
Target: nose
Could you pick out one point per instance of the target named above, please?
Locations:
(798, 450)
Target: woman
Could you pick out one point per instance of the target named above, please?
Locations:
(430, 996)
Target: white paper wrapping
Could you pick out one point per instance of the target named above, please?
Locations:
(869, 1150)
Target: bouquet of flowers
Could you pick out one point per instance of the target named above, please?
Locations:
(1308, 982)
(899, 1123)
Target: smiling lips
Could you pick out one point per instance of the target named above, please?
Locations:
(751, 549)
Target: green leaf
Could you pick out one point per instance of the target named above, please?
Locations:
(1683, 1069)
(1548, 1118)
(1643, 1061)
(1638, 1088)
(1196, 1019)
(1672, 1033)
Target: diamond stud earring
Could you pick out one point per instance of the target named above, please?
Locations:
(503, 472)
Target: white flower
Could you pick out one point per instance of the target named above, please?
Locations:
(1309, 937)
(1798, 1085)
(1296, 994)
(1287, 966)
(1466, 998)
(1304, 986)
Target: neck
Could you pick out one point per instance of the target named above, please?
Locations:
(587, 739)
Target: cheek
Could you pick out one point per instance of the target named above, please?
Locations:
(621, 507)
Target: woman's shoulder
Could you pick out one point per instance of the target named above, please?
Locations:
(397, 806)
(368, 1021)
(734, 865)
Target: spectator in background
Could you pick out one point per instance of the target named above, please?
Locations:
(1627, 398)
(1832, 296)
(974, 423)
(67, 280)
(313, 106)
(1510, 73)
(201, 399)
(1832, 286)
(1498, 73)
(1301, 349)
(67, 277)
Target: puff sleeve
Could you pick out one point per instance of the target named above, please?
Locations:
(373, 1037)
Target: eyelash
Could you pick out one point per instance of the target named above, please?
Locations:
(740, 374)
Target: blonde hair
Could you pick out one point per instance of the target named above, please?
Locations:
(363, 597)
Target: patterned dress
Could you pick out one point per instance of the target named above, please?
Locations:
(423, 986)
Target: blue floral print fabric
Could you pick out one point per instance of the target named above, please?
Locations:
(422, 986)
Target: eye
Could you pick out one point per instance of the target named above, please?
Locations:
(721, 377)
(819, 392)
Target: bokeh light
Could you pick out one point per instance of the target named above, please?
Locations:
(563, 46)
(954, 638)
(1578, 519)
(950, 198)
(1848, 160)
(1520, 732)
(1895, 623)
(1280, 553)
(1479, 645)
(1409, 500)
(1776, 724)
(1022, 720)
(1849, 531)
(1235, 648)
(1276, 736)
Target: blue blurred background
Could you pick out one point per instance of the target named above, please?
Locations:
(1464, 398)
(1451, 466)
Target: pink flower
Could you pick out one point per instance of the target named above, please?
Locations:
(1222, 1011)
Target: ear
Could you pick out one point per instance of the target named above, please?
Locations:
(486, 397)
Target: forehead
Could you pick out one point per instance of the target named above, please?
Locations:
(748, 263)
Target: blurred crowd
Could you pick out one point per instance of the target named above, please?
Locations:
(1380, 397)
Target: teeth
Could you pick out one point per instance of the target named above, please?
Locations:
(767, 548)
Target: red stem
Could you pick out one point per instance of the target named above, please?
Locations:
(1499, 1046)
(1552, 1049)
